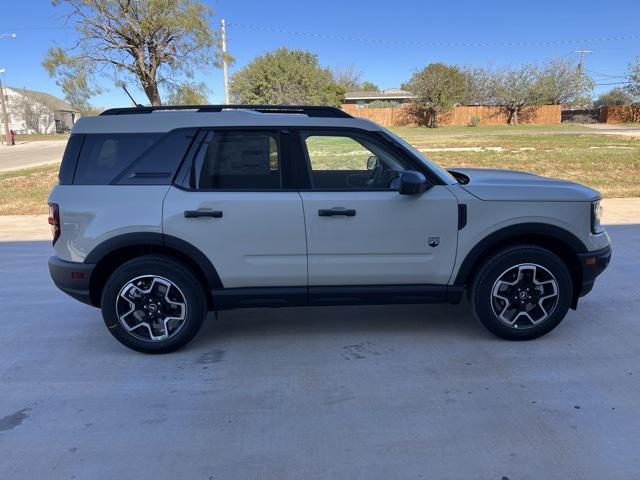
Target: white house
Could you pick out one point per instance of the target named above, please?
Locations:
(28, 108)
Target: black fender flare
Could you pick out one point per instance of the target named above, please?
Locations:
(512, 231)
(119, 242)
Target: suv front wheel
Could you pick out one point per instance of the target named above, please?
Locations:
(153, 304)
(521, 292)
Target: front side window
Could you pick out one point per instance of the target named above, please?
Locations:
(238, 161)
(352, 162)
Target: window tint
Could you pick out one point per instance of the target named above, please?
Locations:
(104, 156)
(70, 159)
(352, 162)
(238, 160)
(158, 164)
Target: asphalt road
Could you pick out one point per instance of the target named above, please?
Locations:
(31, 154)
(398, 392)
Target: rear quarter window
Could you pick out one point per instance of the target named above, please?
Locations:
(104, 156)
(70, 159)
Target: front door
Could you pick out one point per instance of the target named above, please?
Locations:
(360, 230)
(234, 208)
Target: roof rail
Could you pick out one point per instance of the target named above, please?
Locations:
(309, 110)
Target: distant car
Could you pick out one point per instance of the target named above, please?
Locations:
(163, 214)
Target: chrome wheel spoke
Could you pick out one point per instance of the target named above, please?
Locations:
(524, 295)
(151, 308)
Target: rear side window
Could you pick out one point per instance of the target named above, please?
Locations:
(158, 164)
(238, 161)
(104, 156)
(70, 159)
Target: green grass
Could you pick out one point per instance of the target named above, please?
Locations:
(609, 163)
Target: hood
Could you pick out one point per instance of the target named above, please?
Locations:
(500, 185)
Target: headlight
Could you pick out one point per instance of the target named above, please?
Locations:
(596, 215)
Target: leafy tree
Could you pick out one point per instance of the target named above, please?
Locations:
(285, 77)
(633, 88)
(368, 86)
(562, 82)
(516, 90)
(437, 88)
(188, 93)
(153, 42)
(615, 96)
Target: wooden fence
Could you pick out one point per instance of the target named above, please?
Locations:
(488, 115)
(620, 114)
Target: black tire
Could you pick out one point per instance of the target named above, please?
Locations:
(504, 265)
(185, 284)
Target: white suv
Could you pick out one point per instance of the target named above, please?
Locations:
(165, 213)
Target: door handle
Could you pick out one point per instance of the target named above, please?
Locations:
(334, 212)
(202, 213)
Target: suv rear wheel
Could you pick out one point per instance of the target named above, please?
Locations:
(153, 304)
(521, 293)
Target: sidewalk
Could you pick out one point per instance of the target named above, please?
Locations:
(617, 211)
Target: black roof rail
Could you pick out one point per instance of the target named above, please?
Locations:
(309, 110)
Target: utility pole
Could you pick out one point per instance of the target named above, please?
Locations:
(5, 117)
(581, 63)
(224, 62)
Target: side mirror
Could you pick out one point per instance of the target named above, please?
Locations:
(372, 162)
(412, 183)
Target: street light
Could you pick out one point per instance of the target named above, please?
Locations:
(5, 117)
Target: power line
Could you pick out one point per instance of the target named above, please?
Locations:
(612, 83)
(329, 36)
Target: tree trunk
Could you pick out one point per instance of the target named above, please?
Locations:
(512, 117)
(151, 89)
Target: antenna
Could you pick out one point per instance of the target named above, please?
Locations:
(129, 95)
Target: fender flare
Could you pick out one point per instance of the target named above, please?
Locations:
(521, 229)
(161, 240)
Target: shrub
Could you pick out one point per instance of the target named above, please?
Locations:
(474, 121)
(383, 104)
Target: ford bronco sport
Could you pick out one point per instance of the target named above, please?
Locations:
(165, 213)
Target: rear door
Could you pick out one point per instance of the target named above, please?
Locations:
(235, 204)
(360, 230)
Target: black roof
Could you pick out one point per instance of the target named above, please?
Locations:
(309, 110)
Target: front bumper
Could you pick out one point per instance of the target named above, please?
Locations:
(72, 278)
(593, 264)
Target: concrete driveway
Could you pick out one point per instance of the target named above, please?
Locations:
(31, 154)
(392, 392)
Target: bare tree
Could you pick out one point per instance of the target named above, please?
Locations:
(152, 41)
(36, 111)
(348, 77)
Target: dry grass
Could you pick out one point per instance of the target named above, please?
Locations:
(25, 191)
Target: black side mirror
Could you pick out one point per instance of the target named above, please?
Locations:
(412, 183)
(372, 162)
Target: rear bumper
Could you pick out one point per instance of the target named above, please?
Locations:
(593, 264)
(72, 278)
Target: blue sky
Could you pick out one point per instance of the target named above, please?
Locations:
(399, 37)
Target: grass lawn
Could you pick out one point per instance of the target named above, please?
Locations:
(25, 191)
(36, 137)
(609, 163)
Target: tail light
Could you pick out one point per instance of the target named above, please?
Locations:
(54, 221)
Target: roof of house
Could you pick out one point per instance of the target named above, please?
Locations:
(388, 94)
(45, 98)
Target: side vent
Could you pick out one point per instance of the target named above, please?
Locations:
(462, 216)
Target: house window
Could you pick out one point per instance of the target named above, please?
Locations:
(360, 103)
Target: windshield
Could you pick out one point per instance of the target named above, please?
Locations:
(437, 169)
